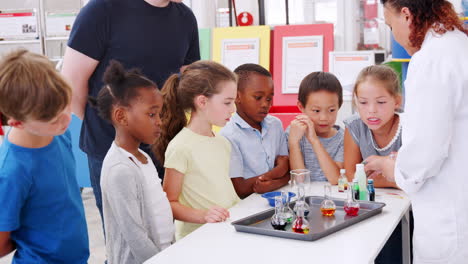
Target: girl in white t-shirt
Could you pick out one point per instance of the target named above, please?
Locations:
(137, 215)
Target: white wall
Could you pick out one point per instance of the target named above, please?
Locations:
(457, 4)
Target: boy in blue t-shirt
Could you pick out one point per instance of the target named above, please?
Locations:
(259, 155)
(42, 214)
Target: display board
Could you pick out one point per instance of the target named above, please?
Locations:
(236, 52)
(288, 66)
(59, 24)
(347, 65)
(301, 56)
(204, 36)
(19, 24)
(234, 46)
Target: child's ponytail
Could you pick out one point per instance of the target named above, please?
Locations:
(180, 91)
(120, 87)
(172, 115)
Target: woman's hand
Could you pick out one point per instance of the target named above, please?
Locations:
(384, 165)
(373, 164)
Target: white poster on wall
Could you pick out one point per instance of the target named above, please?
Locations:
(347, 65)
(59, 24)
(236, 52)
(19, 25)
(301, 56)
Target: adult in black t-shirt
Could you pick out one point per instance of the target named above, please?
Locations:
(157, 36)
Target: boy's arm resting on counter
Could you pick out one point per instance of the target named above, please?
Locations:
(277, 176)
(6, 244)
(352, 155)
(279, 171)
(244, 187)
(172, 185)
(263, 186)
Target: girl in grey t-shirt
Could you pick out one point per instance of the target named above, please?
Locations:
(375, 133)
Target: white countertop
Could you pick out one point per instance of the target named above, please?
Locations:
(221, 243)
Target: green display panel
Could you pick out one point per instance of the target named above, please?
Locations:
(204, 35)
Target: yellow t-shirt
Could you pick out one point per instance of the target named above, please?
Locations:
(204, 161)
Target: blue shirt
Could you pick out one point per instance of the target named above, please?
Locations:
(253, 152)
(156, 40)
(41, 203)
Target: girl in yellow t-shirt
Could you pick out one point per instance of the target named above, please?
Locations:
(196, 160)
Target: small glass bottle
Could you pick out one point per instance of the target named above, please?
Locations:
(301, 203)
(361, 177)
(342, 181)
(355, 189)
(287, 211)
(371, 190)
(300, 224)
(351, 206)
(278, 221)
(327, 206)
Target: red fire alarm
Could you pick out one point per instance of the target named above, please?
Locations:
(245, 19)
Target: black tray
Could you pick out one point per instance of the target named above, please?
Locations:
(320, 226)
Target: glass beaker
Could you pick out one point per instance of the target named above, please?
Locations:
(286, 209)
(300, 225)
(278, 221)
(351, 206)
(300, 177)
(327, 206)
(301, 202)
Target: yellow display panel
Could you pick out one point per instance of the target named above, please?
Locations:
(250, 32)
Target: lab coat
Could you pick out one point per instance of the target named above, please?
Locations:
(432, 164)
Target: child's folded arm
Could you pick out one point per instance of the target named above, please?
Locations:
(263, 186)
(244, 187)
(281, 168)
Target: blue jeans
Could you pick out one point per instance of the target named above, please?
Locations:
(95, 166)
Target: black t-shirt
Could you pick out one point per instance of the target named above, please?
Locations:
(156, 40)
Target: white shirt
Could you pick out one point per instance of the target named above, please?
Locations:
(137, 214)
(430, 166)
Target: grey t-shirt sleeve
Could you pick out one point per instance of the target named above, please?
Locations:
(339, 157)
(124, 201)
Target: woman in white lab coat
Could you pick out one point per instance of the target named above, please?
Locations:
(432, 164)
